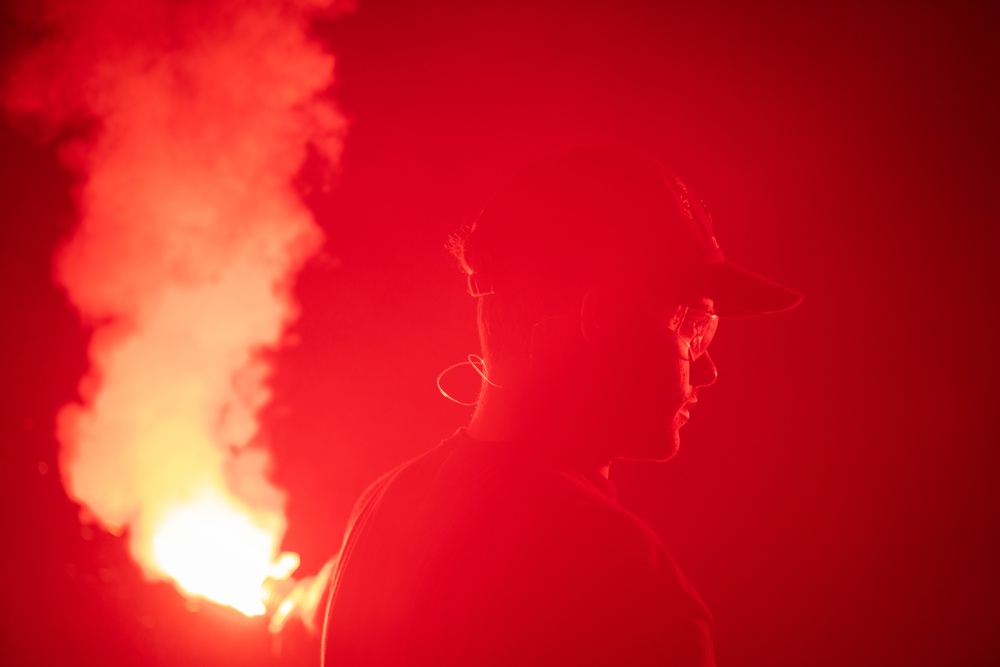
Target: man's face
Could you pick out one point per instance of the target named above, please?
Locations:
(652, 370)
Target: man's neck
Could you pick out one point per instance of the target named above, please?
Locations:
(507, 415)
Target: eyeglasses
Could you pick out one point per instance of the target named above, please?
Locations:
(696, 327)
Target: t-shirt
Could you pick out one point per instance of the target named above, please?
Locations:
(489, 553)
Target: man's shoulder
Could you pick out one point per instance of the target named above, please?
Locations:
(514, 543)
(464, 485)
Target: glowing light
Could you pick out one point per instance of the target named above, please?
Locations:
(212, 549)
(199, 116)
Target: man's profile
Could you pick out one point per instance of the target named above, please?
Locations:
(600, 286)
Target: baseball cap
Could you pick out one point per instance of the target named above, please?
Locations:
(597, 214)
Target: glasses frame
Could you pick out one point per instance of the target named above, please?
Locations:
(703, 324)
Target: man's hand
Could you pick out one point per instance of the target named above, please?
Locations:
(298, 599)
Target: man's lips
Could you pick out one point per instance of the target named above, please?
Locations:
(686, 408)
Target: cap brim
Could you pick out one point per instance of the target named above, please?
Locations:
(738, 292)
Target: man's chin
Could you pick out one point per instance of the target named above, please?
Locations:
(660, 448)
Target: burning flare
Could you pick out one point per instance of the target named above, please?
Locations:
(191, 121)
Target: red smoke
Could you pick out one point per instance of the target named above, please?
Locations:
(187, 122)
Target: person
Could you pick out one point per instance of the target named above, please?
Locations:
(600, 286)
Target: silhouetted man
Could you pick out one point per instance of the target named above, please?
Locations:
(600, 285)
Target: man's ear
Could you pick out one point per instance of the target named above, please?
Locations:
(560, 338)
(601, 313)
(614, 318)
(600, 325)
(556, 338)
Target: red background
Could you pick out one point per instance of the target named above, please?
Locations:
(835, 499)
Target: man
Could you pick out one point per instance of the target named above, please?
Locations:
(600, 285)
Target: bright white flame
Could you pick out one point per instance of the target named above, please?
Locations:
(212, 549)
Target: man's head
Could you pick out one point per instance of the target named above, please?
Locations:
(598, 276)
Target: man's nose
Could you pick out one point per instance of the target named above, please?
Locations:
(703, 371)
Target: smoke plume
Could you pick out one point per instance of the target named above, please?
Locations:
(187, 123)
